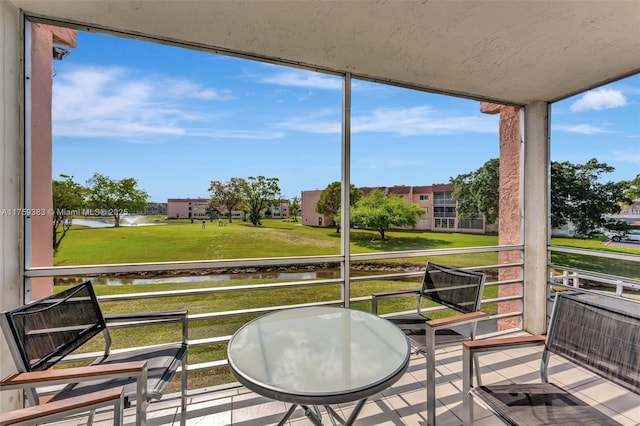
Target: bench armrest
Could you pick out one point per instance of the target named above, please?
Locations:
(75, 374)
(454, 320)
(59, 409)
(390, 295)
(500, 344)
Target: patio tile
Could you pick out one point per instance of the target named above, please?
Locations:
(402, 404)
(252, 409)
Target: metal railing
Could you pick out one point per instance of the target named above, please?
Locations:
(87, 271)
(579, 279)
(561, 275)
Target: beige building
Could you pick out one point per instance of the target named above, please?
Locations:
(187, 208)
(196, 208)
(310, 217)
(440, 208)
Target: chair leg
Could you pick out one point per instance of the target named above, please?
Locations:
(467, 382)
(118, 413)
(476, 364)
(183, 396)
(430, 357)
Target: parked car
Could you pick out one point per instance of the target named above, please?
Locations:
(632, 235)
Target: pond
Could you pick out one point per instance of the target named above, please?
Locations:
(287, 276)
(105, 223)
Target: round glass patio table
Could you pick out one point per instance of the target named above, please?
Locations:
(320, 355)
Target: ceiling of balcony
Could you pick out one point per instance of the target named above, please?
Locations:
(515, 52)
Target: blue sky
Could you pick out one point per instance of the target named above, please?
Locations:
(176, 119)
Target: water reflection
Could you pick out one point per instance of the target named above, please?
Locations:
(104, 223)
(287, 276)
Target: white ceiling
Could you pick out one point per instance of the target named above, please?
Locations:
(507, 51)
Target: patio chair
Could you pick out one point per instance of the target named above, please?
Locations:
(42, 333)
(455, 288)
(58, 410)
(597, 332)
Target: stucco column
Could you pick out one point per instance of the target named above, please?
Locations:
(536, 215)
(11, 171)
(509, 205)
(40, 77)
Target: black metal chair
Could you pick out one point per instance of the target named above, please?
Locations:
(42, 333)
(596, 332)
(455, 288)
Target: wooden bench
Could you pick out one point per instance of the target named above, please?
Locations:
(42, 333)
(596, 332)
(457, 289)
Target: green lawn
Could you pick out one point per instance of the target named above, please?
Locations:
(177, 241)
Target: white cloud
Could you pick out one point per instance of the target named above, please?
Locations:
(116, 102)
(420, 120)
(584, 129)
(306, 79)
(629, 156)
(599, 99)
(183, 89)
(323, 121)
(237, 134)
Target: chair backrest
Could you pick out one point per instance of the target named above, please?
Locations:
(598, 332)
(41, 333)
(456, 288)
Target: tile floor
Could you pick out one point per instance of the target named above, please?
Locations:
(404, 403)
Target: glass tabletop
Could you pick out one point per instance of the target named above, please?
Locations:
(318, 355)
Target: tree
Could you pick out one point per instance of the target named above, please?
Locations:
(258, 193)
(331, 198)
(478, 192)
(378, 211)
(633, 190)
(294, 208)
(68, 200)
(226, 196)
(115, 197)
(578, 196)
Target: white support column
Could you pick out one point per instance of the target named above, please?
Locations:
(346, 186)
(536, 215)
(11, 161)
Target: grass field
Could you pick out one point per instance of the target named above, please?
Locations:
(184, 240)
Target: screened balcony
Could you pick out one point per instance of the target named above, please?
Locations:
(530, 56)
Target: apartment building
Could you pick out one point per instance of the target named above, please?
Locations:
(196, 208)
(440, 208)
(187, 208)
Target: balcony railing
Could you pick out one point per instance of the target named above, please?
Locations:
(380, 272)
(211, 330)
